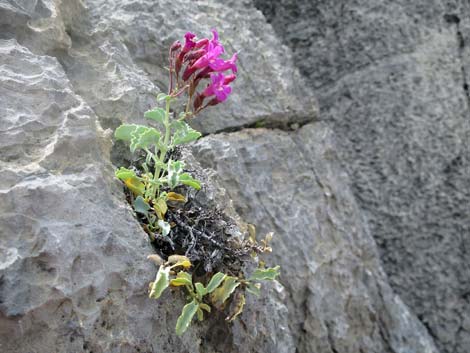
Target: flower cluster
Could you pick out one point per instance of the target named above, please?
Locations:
(195, 61)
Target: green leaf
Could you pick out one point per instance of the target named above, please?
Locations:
(254, 288)
(157, 114)
(182, 279)
(144, 137)
(200, 314)
(180, 282)
(187, 179)
(141, 206)
(200, 290)
(222, 293)
(205, 307)
(161, 282)
(189, 310)
(184, 133)
(176, 166)
(124, 173)
(266, 274)
(174, 170)
(215, 281)
(164, 226)
(185, 275)
(162, 96)
(124, 132)
(149, 137)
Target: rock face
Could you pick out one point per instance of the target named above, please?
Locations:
(392, 80)
(291, 183)
(73, 268)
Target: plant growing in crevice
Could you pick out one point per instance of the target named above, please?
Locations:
(217, 291)
(155, 186)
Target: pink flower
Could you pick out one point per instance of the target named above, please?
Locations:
(175, 46)
(211, 56)
(202, 43)
(220, 65)
(189, 42)
(219, 87)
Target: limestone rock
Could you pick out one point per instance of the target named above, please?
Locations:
(392, 79)
(103, 36)
(292, 184)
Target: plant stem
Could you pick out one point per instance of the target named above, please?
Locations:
(163, 148)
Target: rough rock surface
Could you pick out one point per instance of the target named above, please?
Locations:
(73, 273)
(392, 78)
(291, 183)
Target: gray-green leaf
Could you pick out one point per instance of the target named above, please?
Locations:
(266, 274)
(161, 282)
(157, 114)
(201, 290)
(184, 133)
(174, 170)
(254, 288)
(124, 132)
(215, 281)
(189, 310)
(162, 96)
(141, 206)
(222, 293)
(144, 137)
(187, 179)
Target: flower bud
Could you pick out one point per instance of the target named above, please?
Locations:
(175, 46)
(194, 55)
(229, 78)
(202, 43)
(188, 72)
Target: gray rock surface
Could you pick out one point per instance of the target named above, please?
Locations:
(291, 183)
(104, 46)
(73, 273)
(392, 79)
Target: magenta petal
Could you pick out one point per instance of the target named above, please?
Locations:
(229, 78)
(209, 91)
(203, 61)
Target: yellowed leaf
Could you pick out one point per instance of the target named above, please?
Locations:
(160, 208)
(179, 260)
(252, 232)
(156, 259)
(173, 196)
(135, 185)
(237, 306)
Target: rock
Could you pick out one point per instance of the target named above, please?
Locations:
(292, 184)
(392, 79)
(73, 268)
(103, 36)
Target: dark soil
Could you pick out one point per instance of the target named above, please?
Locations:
(201, 234)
